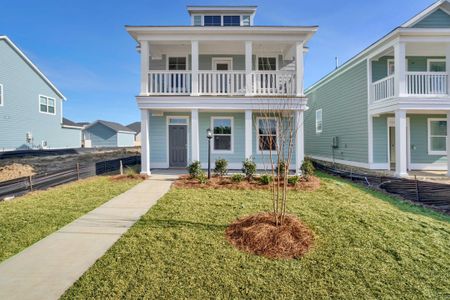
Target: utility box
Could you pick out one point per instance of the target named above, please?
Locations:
(335, 144)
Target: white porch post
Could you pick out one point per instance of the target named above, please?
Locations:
(299, 141)
(400, 144)
(194, 67)
(145, 60)
(448, 143)
(145, 142)
(248, 67)
(194, 135)
(299, 68)
(400, 69)
(248, 134)
(447, 67)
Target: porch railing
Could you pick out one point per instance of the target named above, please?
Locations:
(273, 83)
(221, 82)
(383, 88)
(426, 83)
(169, 82)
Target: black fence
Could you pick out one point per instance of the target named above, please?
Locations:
(21, 186)
(423, 192)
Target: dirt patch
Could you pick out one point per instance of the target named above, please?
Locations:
(258, 234)
(128, 176)
(185, 181)
(14, 171)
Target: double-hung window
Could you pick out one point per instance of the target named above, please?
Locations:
(231, 20)
(47, 105)
(212, 21)
(245, 20)
(267, 134)
(267, 63)
(319, 121)
(177, 64)
(390, 67)
(222, 134)
(437, 136)
(436, 65)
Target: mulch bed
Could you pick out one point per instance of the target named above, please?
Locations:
(128, 176)
(184, 181)
(258, 234)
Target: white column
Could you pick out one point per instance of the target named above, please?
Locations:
(370, 140)
(369, 80)
(145, 142)
(400, 69)
(248, 67)
(299, 141)
(299, 69)
(448, 143)
(447, 66)
(145, 60)
(194, 67)
(248, 134)
(195, 154)
(400, 144)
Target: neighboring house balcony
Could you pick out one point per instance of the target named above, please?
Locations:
(410, 75)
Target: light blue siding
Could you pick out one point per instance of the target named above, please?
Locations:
(125, 139)
(20, 111)
(437, 19)
(380, 139)
(102, 136)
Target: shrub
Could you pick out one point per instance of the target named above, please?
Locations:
(201, 177)
(221, 168)
(130, 172)
(194, 169)
(265, 179)
(293, 180)
(236, 178)
(307, 168)
(281, 168)
(249, 168)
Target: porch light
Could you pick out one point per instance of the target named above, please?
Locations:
(208, 133)
(209, 137)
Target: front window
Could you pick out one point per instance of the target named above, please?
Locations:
(231, 20)
(267, 134)
(436, 65)
(177, 63)
(212, 21)
(222, 133)
(390, 67)
(437, 136)
(267, 63)
(319, 121)
(47, 105)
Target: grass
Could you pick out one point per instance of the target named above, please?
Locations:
(368, 245)
(27, 219)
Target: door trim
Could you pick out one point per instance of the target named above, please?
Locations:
(391, 123)
(187, 136)
(228, 60)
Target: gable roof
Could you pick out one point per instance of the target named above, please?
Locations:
(405, 27)
(112, 125)
(136, 126)
(33, 66)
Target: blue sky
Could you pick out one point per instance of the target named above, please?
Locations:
(84, 50)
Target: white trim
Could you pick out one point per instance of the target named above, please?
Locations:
(379, 166)
(47, 98)
(321, 121)
(266, 56)
(432, 152)
(391, 123)
(248, 131)
(340, 161)
(231, 151)
(2, 99)
(430, 60)
(175, 56)
(228, 60)
(267, 152)
(430, 167)
(168, 117)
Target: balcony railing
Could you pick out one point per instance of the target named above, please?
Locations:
(425, 84)
(221, 83)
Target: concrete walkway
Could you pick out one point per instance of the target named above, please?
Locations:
(48, 268)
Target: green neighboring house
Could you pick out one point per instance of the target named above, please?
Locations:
(388, 107)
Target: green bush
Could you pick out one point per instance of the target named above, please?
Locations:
(249, 168)
(201, 177)
(307, 168)
(293, 180)
(265, 179)
(194, 169)
(281, 168)
(221, 168)
(236, 178)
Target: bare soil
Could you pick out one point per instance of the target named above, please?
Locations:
(259, 234)
(14, 171)
(185, 181)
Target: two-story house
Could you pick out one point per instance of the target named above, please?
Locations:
(31, 107)
(217, 73)
(389, 106)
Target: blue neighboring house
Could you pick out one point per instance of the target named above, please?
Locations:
(30, 105)
(107, 134)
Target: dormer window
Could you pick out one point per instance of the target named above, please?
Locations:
(231, 20)
(212, 21)
(245, 20)
(197, 20)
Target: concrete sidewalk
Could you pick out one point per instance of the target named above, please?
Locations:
(48, 268)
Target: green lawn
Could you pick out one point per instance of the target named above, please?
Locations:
(367, 246)
(25, 220)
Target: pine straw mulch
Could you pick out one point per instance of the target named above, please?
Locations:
(258, 234)
(15, 170)
(128, 176)
(185, 181)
